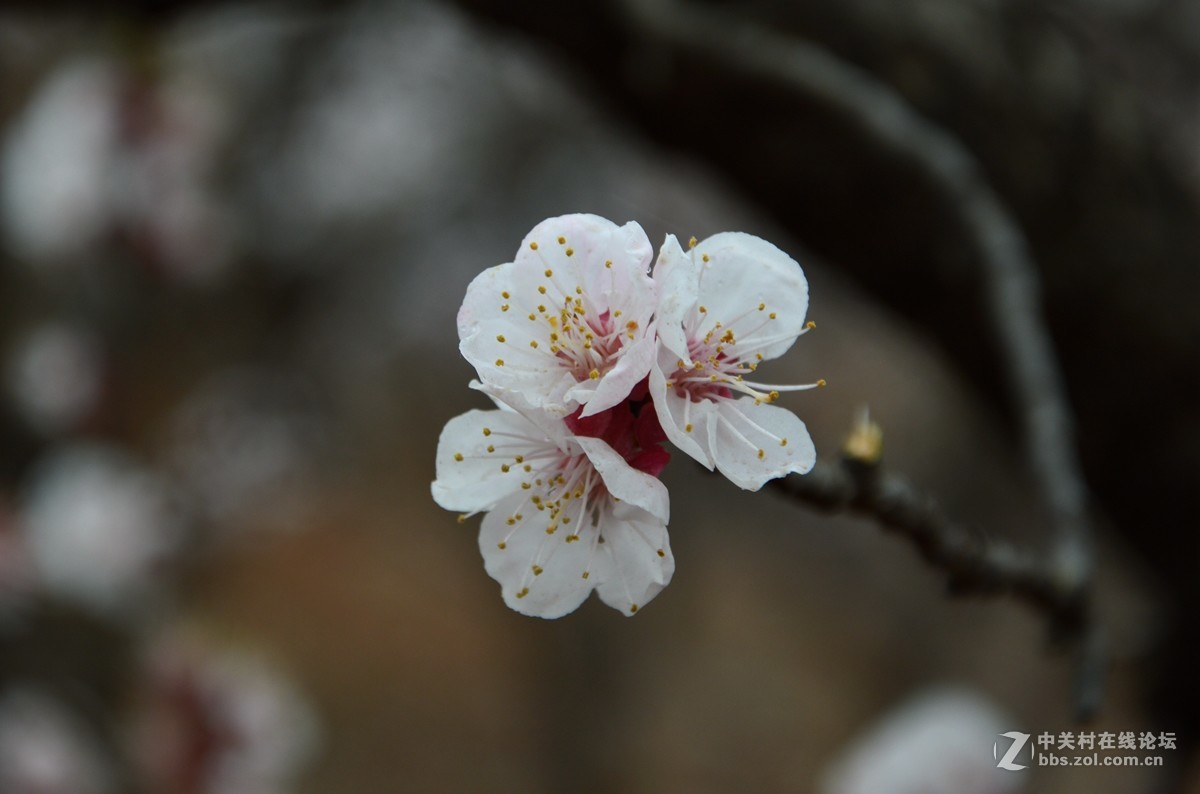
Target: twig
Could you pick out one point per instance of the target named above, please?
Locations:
(1014, 306)
(975, 564)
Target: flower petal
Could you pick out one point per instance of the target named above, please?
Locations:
(477, 459)
(625, 482)
(506, 347)
(753, 289)
(540, 574)
(755, 443)
(685, 422)
(553, 427)
(639, 559)
(522, 324)
(676, 275)
(610, 262)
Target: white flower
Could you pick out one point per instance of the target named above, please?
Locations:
(567, 323)
(566, 513)
(728, 304)
(56, 377)
(217, 721)
(101, 529)
(45, 748)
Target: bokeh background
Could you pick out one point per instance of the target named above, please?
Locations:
(233, 240)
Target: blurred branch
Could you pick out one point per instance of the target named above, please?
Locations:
(1013, 302)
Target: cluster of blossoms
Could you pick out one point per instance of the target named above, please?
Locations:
(593, 363)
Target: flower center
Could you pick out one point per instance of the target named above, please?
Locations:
(631, 428)
(719, 368)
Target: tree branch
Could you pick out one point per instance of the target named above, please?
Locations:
(975, 563)
(1013, 307)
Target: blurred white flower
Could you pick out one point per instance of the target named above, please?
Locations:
(940, 742)
(57, 164)
(218, 722)
(55, 377)
(101, 155)
(45, 749)
(99, 529)
(729, 303)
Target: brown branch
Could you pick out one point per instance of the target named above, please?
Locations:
(975, 563)
(882, 116)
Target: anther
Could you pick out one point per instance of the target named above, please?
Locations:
(810, 325)
(502, 545)
(562, 240)
(537, 570)
(594, 374)
(569, 251)
(692, 243)
(500, 338)
(549, 272)
(762, 453)
(533, 343)
(499, 362)
(533, 246)
(771, 315)
(523, 592)
(821, 383)
(458, 456)
(487, 431)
